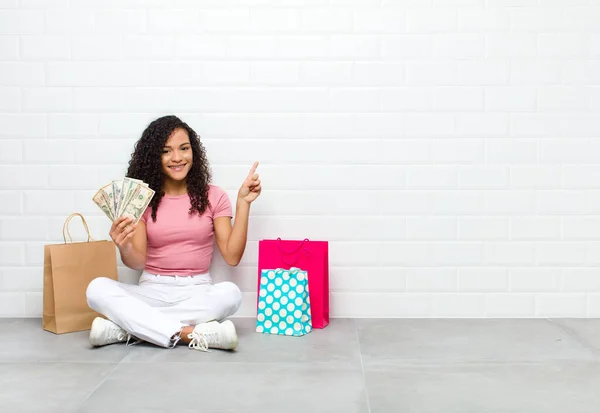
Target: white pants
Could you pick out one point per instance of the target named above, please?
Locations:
(158, 307)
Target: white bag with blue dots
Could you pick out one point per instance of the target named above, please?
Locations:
(284, 302)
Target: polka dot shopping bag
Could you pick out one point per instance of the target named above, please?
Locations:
(284, 302)
(307, 255)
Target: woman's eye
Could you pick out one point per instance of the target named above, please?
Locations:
(165, 151)
(185, 149)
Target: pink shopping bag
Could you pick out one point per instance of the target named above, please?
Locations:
(310, 256)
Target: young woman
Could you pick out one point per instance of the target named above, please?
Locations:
(173, 244)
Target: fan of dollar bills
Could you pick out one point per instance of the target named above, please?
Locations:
(128, 197)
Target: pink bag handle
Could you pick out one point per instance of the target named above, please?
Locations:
(301, 246)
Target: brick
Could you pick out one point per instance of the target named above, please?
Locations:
(236, 20)
(384, 20)
(66, 125)
(459, 151)
(458, 305)
(509, 202)
(431, 280)
(21, 21)
(513, 99)
(45, 47)
(299, 47)
(431, 74)
(509, 253)
(483, 228)
(534, 279)
(278, 20)
(51, 151)
(97, 74)
(482, 279)
(406, 99)
(12, 253)
(21, 279)
(10, 100)
(428, 20)
(120, 21)
(458, 98)
(510, 305)
(434, 228)
(69, 22)
(560, 305)
(40, 203)
(483, 177)
(21, 74)
(458, 46)
(11, 203)
(482, 72)
(9, 47)
(355, 47)
(30, 176)
(431, 177)
(326, 20)
(534, 71)
(375, 73)
(24, 228)
(12, 304)
(512, 151)
(12, 151)
(407, 47)
(535, 228)
(47, 99)
(510, 45)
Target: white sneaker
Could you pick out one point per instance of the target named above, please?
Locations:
(214, 335)
(105, 332)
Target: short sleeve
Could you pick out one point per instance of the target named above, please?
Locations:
(146, 215)
(219, 201)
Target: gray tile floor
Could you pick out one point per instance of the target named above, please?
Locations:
(355, 365)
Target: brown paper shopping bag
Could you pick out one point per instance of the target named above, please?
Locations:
(68, 270)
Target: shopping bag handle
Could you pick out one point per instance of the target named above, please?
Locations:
(66, 228)
(283, 253)
(292, 251)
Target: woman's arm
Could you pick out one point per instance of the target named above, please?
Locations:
(131, 241)
(232, 241)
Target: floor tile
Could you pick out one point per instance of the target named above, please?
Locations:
(337, 343)
(586, 330)
(461, 340)
(24, 340)
(489, 388)
(48, 387)
(230, 387)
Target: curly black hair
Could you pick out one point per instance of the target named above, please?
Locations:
(145, 163)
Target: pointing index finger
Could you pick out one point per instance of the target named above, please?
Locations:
(253, 170)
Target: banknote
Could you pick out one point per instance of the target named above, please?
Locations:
(126, 197)
(138, 203)
(116, 188)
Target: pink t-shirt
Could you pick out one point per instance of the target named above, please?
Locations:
(180, 243)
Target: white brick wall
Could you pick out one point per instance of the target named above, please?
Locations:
(447, 149)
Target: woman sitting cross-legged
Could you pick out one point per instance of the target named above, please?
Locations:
(175, 299)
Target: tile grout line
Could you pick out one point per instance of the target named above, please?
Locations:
(101, 383)
(362, 365)
(577, 338)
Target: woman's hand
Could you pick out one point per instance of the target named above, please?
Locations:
(251, 188)
(122, 231)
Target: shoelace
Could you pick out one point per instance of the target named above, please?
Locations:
(198, 341)
(129, 337)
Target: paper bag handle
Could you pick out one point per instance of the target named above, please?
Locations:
(301, 246)
(66, 227)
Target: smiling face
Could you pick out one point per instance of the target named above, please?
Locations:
(177, 156)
